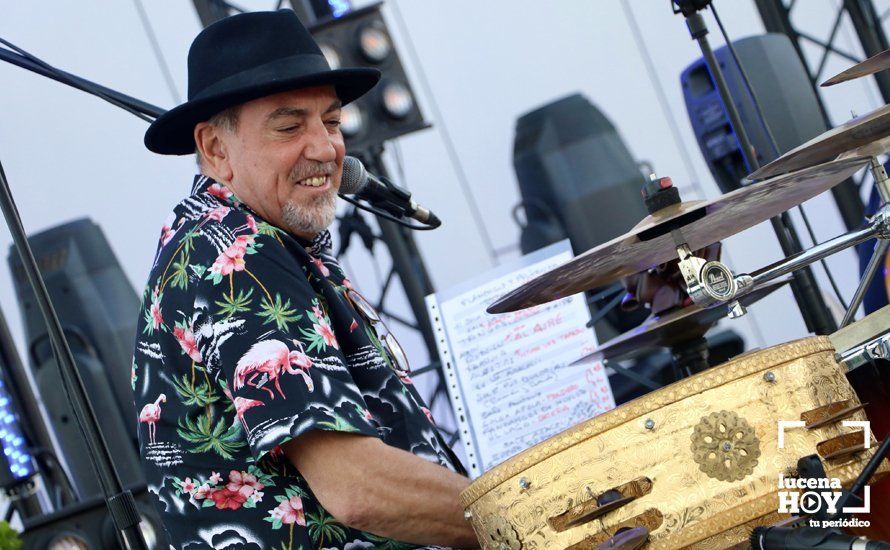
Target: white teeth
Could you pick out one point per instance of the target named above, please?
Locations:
(316, 181)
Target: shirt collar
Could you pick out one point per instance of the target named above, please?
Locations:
(321, 244)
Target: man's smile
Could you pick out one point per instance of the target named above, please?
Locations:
(316, 181)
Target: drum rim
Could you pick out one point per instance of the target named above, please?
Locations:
(742, 366)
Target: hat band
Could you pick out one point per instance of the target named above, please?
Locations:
(285, 68)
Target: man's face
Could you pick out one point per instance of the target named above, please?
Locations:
(285, 158)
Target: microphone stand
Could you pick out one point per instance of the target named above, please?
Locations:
(120, 502)
(82, 84)
(812, 307)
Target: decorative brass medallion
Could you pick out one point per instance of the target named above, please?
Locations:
(725, 446)
(501, 535)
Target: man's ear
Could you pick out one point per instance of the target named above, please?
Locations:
(214, 158)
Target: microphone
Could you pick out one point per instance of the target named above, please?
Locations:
(382, 193)
(768, 538)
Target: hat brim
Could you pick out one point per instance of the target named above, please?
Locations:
(173, 132)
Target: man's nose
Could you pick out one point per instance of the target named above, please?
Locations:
(320, 144)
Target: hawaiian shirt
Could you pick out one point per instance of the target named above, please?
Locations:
(247, 339)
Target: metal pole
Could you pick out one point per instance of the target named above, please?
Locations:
(407, 262)
(121, 504)
(813, 309)
(871, 36)
(876, 261)
(775, 19)
(818, 252)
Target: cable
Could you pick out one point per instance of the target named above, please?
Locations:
(159, 55)
(773, 143)
(662, 99)
(386, 215)
(834, 287)
(400, 166)
(65, 77)
(446, 137)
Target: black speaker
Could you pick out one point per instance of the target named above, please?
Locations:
(785, 94)
(361, 38)
(576, 177)
(98, 310)
(87, 525)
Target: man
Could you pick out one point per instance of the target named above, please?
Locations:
(275, 412)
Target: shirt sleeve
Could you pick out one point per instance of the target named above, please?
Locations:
(265, 333)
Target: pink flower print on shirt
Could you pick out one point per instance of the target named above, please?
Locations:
(187, 485)
(324, 330)
(202, 492)
(186, 339)
(319, 314)
(215, 478)
(290, 511)
(219, 191)
(232, 259)
(167, 231)
(157, 319)
(243, 482)
(218, 213)
(320, 265)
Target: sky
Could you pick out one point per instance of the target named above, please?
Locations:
(476, 66)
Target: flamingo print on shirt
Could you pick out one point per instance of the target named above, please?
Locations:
(271, 358)
(150, 414)
(247, 340)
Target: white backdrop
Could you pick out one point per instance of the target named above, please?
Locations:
(70, 155)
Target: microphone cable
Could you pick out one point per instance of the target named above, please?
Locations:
(71, 81)
(386, 215)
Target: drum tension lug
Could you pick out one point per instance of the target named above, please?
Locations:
(601, 504)
(829, 414)
(843, 446)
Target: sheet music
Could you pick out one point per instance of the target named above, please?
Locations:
(508, 375)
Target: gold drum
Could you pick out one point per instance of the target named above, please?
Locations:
(697, 463)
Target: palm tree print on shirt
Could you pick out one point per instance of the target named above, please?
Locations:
(247, 334)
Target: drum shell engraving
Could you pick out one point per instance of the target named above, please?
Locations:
(698, 510)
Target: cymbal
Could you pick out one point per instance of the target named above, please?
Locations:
(702, 223)
(861, 137)
(673, 328)
(872, 65)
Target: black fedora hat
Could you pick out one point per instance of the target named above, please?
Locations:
(245, 57)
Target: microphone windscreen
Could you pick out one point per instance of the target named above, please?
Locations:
(354, 176)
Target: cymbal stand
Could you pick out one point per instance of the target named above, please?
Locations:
(711, 282)
(882, 182)
(806, 292)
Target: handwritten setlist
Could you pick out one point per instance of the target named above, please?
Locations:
(509, 376)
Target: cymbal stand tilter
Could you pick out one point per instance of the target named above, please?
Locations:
(710, 283)
(882, 183)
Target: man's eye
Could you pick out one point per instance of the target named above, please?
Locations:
(288, 129)
(333, 123)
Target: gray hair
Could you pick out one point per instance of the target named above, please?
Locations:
(227, 120)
